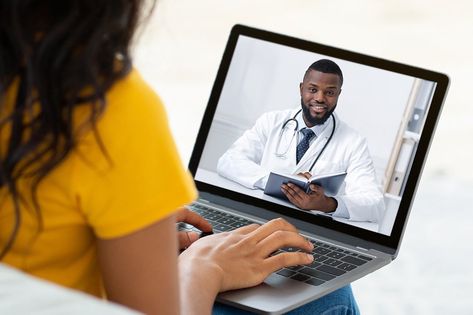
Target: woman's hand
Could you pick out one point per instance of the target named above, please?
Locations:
(240, 258)
(237, 259)
(187, 216)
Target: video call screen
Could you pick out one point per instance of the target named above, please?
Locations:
(379, 117)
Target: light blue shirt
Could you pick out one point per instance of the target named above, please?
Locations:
(317, 129)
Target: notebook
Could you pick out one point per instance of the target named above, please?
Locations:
(382, 126)
(331, 183)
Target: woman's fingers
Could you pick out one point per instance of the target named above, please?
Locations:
(286, 259)
(247, 229)
(186, 239)
(190, 217)
(281, 239)
(270, 227)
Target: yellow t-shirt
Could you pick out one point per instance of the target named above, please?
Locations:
(86, 196)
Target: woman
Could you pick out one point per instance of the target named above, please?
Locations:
(90, 177)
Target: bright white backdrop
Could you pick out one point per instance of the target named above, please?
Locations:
(179, 53)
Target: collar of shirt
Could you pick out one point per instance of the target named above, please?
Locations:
(317, 129)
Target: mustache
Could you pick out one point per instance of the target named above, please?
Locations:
(314, 121)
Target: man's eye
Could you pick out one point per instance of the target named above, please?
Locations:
(313, 90)
(330, 93)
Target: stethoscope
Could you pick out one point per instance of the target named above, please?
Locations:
(293, 122)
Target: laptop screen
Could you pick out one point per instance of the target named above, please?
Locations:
(370, 123)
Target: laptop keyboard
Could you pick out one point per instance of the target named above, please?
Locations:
(329, 261)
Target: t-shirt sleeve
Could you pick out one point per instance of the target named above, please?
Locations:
(137, 178)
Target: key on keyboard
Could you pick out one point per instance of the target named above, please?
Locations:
(329, 263)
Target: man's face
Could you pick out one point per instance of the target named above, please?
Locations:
(319, 96)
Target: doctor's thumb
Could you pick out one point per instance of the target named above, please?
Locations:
(314, 188)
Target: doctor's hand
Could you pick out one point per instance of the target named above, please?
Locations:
(314, 200)
(187, 216)
(306, 175)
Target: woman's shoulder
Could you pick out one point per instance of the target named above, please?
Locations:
(131, 86)
(134, 176)
(133, 121)
(132, 97)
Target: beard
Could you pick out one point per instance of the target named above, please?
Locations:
(314, 121)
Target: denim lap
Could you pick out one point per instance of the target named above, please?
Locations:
(340, 302)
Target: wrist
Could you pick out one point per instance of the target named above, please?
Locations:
(200, 282)
(331, 204)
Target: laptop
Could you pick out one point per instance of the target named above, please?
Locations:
(393, 106)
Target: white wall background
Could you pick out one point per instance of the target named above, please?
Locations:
(179, 53)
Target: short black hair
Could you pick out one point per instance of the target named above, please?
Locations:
(326, 66)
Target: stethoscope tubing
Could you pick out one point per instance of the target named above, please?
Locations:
(326, 143)
(295, 130)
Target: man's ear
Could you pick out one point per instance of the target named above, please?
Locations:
(339, 92)
(300, 88)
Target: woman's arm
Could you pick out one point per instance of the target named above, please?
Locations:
(140, 269)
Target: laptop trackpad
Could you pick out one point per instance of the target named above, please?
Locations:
(276, 295)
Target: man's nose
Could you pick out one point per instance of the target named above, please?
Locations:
(319, 97)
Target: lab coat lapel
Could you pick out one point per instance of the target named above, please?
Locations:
(293, 150)
(280, 164)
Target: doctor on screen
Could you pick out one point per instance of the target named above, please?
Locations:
(310, 139)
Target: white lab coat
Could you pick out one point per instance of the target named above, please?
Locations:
(250, 159)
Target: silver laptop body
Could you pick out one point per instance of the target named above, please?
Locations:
(408, 101)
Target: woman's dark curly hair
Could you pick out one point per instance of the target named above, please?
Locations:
(60, 55)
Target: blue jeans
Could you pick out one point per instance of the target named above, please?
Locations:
(340, 302)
